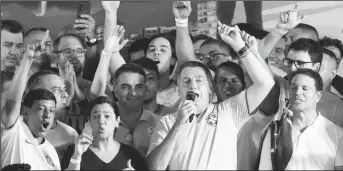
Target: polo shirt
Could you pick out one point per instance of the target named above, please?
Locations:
(124, 135)
(203, 142)
(19, 146)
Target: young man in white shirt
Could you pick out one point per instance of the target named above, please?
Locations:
(313, 142)
(22, 138)
(182, 141)
(61, 135)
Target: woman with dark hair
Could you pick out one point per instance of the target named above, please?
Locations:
(95, 148)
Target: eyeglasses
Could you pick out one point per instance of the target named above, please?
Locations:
(68, 53)
(209, 57)
(298, 64)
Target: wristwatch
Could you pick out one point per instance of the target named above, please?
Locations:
(244, 50)
(91, 42)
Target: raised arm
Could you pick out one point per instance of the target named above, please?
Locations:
(112, 47)
(111, 8)
(11, 110)
(261, 77)
(287, 21)
(184, 44)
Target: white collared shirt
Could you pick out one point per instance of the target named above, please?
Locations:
(16, 148)
(319, 147)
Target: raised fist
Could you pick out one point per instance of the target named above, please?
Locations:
(182, 9)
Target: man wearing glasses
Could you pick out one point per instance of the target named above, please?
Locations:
(70, 51)
(42, 60)
(213, 52)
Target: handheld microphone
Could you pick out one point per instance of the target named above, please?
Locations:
(191, 96)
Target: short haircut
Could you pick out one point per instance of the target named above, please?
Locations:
(221, 44)
(308, 72)
(310, 46)
(58, 40)
(251, 30)
(169, 37)
(38, 94)
(41, 29)
(308, 28)
(139, 44)
(326, 42)
(12, 26)
(194, 64)
(131, 68)
(231, 65)
(147, 63)
(17, 167)
(201, 37)
(35, 78)
(5, 76)
(103, 100)
(332, 56)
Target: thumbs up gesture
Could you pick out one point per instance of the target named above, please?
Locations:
(129, 167)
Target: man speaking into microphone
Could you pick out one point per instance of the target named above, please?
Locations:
(209, 140)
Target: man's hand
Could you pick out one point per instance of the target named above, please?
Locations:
(187, 109)
(36, 47)
(68, 76)
(231, 36)
(112, 44)
(182, 9)
(110, 6)
(251, 40)
(128, 165)
(85, 26)
(289, 19)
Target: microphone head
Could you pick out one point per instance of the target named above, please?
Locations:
(191, 95)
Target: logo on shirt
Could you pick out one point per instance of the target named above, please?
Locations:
(212, 119)
(49, 160)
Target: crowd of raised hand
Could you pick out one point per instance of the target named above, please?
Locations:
(239, 101)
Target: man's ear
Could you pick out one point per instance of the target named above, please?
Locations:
(317, 66)
(333, 73)
(318, 96)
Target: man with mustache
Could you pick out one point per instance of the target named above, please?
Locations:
(11, 44)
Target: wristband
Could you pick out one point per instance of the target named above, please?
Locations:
(280, 31)
(105, 54)
(181, 22)
(74, 161)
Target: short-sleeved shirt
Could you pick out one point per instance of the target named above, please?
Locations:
(124, 135)
(90, 161)
(195, 144)
(319, 147)
(18, 147)
(61, 137)
(169, 97)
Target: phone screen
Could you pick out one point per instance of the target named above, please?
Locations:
(83, 7)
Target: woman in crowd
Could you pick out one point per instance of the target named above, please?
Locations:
(95, 148)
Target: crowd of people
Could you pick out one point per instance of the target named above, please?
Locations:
(249, 99)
